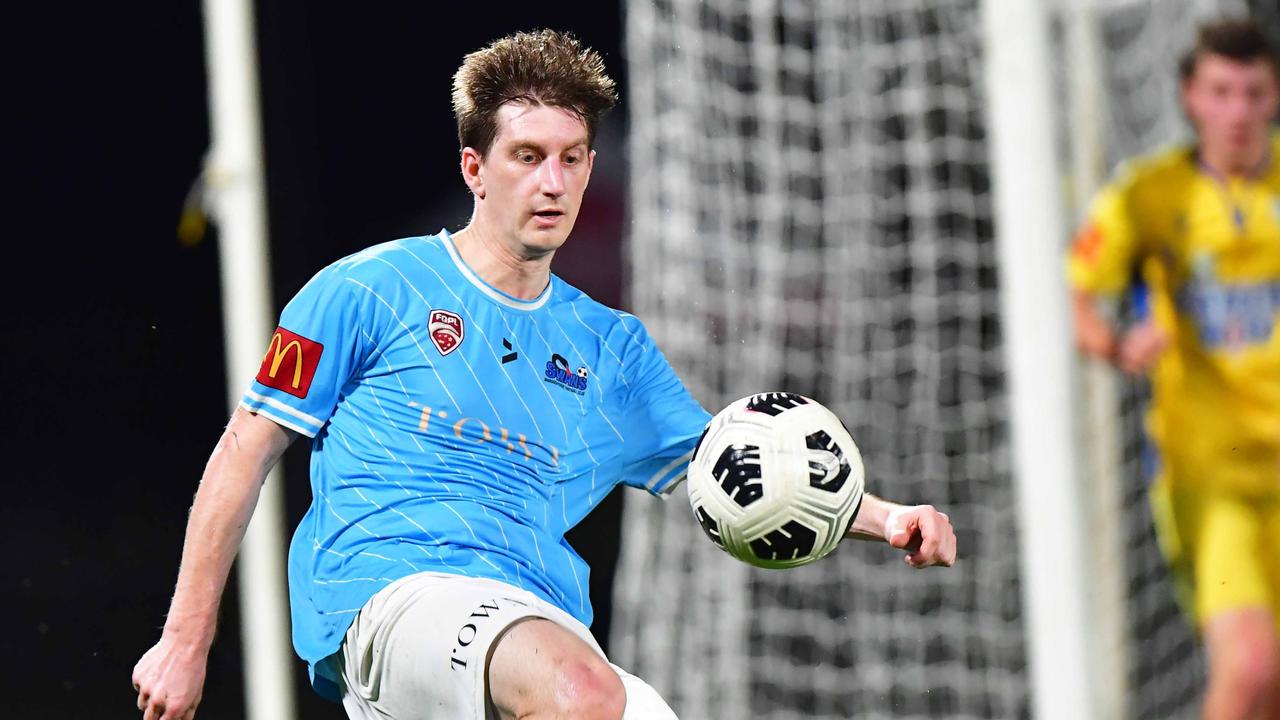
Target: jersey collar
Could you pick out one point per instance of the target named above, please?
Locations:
(1260, 169)
(492, 292)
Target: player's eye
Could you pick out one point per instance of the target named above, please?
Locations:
(571, 159)
(526, 157)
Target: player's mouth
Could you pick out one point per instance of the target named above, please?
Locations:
(548, 217)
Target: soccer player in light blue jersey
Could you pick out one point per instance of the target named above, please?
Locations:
(465, 408)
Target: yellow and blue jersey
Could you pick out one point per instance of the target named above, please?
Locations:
(1207, 248)
(458, 429)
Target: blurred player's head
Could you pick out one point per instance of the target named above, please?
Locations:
(1231, 90)
(527, 108)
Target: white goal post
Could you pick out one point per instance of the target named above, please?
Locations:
(1029, 228)
(234, 181)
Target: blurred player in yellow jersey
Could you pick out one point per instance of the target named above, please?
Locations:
(1199, 228)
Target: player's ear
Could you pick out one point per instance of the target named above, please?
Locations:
(1187, 93)
(1187, 99)
(472, 165)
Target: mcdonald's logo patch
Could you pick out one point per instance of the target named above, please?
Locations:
(290, 363)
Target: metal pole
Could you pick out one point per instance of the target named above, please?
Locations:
(1029, 236)
(1099, 417)
(234, 179)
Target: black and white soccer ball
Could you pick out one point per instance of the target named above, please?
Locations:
(775, 480)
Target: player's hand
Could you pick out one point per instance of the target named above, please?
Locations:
(170, 680)
(1141, 347)
(1094, 336)
(925, 533)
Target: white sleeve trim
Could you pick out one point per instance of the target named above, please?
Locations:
(315, 422)
(267, 413)
(670, 488)
(665, 479)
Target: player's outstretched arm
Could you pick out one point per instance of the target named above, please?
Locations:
(170, 676)
(921, 530)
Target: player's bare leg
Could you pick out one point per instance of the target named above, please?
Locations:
(1244, 666)
(541, 671)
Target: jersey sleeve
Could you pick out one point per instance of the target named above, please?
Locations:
(1105, 250)
(661, 422)
(317, 348)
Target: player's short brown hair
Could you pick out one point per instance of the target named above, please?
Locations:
(1241, 39)
(545, 67)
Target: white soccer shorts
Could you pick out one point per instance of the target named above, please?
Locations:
(419, 649)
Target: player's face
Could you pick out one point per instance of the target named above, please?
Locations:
(1232, 104)
(534, 175)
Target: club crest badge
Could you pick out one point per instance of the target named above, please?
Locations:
(446, 331)
(558, 373)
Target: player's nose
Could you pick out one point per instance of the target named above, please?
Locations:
(552, 177)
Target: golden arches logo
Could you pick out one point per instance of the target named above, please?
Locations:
(277, 351)
(289, 347)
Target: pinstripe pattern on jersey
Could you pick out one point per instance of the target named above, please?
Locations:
(462, 463)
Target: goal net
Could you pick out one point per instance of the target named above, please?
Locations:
(810, 212)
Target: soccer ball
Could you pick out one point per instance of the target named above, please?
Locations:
(775, 480)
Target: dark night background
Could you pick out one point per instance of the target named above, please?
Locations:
(114, 391)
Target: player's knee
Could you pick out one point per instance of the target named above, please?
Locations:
(591, 691)
(1251, 667)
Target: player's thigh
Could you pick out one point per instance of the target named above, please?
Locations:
(418, 648)
(540, 668)
(1271, 552)
(1231, 558)
(643, 702)
(1244, 650)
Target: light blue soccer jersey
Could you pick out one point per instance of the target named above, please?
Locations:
(458, 429)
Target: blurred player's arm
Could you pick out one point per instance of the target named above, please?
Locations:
(1100, 268)
(924, 532)
(170, 676)
(1094, 330)
(1134, 350)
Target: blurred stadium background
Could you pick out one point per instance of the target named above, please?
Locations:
(792, 195)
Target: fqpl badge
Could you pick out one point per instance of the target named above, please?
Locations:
(446, 331)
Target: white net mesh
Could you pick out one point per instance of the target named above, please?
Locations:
(810, 212)
(809, 199)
